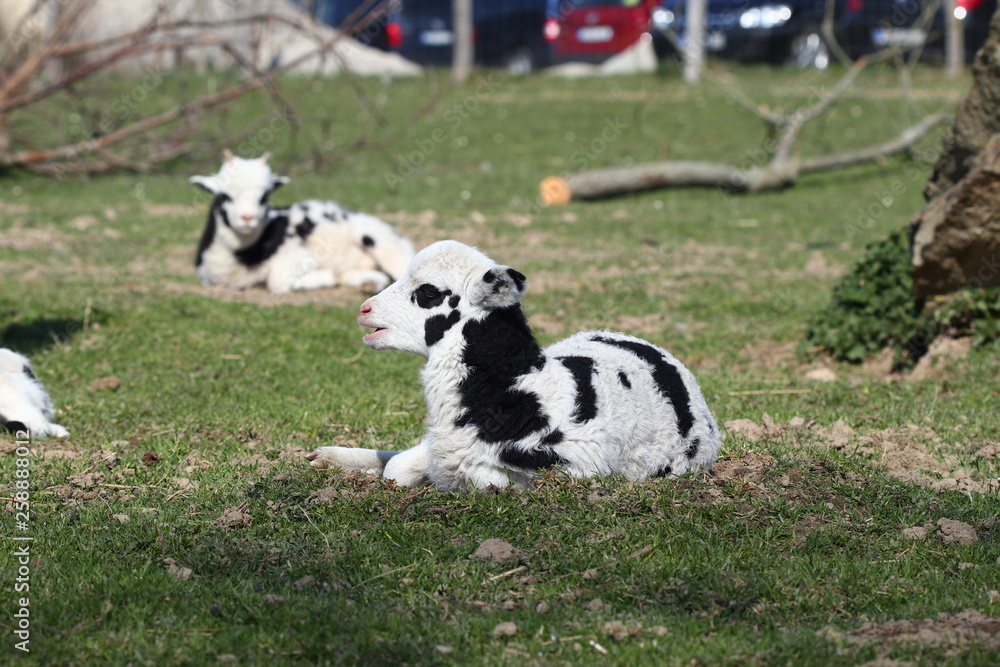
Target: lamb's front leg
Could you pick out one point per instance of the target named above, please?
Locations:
(406, 468)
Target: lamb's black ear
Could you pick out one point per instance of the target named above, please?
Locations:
(278, 181)
(500, 287)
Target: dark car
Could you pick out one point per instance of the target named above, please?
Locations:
(364, 20)
(789, 31)
(507, 34)
(593, 30)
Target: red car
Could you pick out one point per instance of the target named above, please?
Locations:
(593, 30)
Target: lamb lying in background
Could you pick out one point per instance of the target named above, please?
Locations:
(24, 403)
(500, 408)
(304, 246)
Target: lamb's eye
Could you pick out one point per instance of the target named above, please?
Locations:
(427, 296)
(429, 291)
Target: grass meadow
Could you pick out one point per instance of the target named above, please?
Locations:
(180, 524)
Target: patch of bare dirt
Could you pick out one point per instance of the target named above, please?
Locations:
(337, 296)
(20, 238)
(768, 354)
(954, 633)
(749, 466)
(172, 210)
(943, 350)
(234, 517)
(911, 453)
(498, 551)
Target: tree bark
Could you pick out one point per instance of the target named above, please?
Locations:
(955, 240)
(977, 119)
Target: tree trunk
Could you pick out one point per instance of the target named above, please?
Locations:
(977, 120)
(462, 54)
(956, 238)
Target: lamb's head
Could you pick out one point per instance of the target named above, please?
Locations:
(446, 283)
(241, 189)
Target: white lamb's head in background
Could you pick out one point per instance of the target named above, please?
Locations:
(446, 284)
(241, 189)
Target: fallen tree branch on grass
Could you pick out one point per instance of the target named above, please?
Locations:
(781, 171)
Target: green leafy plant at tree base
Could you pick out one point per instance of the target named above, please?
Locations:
(873, 307)
(971, 312)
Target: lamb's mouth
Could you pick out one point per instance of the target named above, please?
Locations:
(372, 334)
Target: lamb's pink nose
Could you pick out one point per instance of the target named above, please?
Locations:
(365, 309)
(247, 218)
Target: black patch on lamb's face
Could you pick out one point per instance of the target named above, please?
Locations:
(623, 379)
(437, 325)
(582, 369)
(663, 472)
(305, 228)
(271, 239)
(208, 236)
(26, 369)
(368, 241)
(513, 456)
(428, 296)
(667, 379)
(693, 447)
(498, 349)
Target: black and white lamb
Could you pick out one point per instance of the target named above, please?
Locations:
(304, 246)
(25, 407)
(500, 408)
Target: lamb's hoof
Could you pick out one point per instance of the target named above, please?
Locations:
(320, 460)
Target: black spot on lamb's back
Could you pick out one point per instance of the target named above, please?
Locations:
(454, 301)
(269, 242)
(437, 325)
(498, 349)
(368, 241)
(668, 380)
(14, 426)
(514, 456)
(582, 369)
(623, 379)
(553, 438)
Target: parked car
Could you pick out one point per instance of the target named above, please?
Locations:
(507, 34)
(593, 30)
(789, 31)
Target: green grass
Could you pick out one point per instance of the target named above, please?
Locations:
(221, 397)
